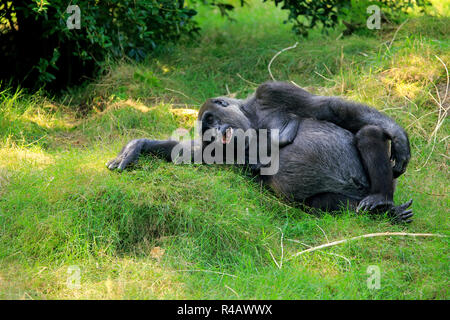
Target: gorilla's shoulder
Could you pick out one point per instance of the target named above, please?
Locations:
(274, 89)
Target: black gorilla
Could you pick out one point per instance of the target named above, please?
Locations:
(331, 152)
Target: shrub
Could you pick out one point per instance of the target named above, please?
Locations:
(308, 14)
(38, 48)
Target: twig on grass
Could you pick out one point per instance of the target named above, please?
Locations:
(183, 94)
(446, 70)
(282, 248)
(395, 34)
(279, 265)
(207, 271)
(329, 253)
(322, 76)
(228, 90)
(323, 232)
(443, 111)
(370, 235)
(249, 82)
(428, 193)
(231, 289)
(276, 55)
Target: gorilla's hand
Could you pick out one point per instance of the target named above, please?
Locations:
(401, 214)
(400, 153)
(377, 203)
(128, 155)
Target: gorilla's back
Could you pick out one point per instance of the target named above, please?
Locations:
(322, 158)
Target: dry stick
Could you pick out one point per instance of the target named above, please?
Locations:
(421, 117)
(395, 34)
(329, 253)
(231, 289)
(328, 79)
(274, 260)
(329, 72)
(279, 265)
(282, 248)
(179, 92)
(428, 193)
(249, 82)
(276, 55)
(323, 232)
(370, 235)
(442, 113)
(441, 116)
(446, 70)
(207, 271)
(296, 84)
(445, 156)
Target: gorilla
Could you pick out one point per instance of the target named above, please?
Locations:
(332, 152)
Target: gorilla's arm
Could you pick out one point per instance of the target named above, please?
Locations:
(163, 148)
(348, 115)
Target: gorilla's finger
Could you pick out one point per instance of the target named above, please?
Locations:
(363, 205)
(360, 205)
(397, 169)
(123, 164)
(129, 158)
(407, 214)
(113, 163)
(406, 204)
(400, 166)
(405, 163)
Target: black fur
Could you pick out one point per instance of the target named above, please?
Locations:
(332, 152)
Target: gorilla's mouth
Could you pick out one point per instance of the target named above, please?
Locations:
(226, 138)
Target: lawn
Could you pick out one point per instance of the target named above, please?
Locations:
(71, 229)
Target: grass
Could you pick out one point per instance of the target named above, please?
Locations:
(209, 232)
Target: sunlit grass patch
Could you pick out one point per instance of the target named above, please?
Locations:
(104, 278)
(220, 232)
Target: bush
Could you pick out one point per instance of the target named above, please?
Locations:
(307, 14)
(38, 48)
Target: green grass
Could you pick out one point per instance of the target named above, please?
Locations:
(60, 206)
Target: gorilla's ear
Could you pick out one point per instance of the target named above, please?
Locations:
(288, 132)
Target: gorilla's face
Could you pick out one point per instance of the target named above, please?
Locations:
(224, 115)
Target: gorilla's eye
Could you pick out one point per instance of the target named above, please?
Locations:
(220, 102)
(209, 119)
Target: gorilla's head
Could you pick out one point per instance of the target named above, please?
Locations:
(225, 115)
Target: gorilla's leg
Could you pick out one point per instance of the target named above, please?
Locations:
(372, 144)
(329, 201)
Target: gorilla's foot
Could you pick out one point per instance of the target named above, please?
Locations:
(400, 214)
(375, 203)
